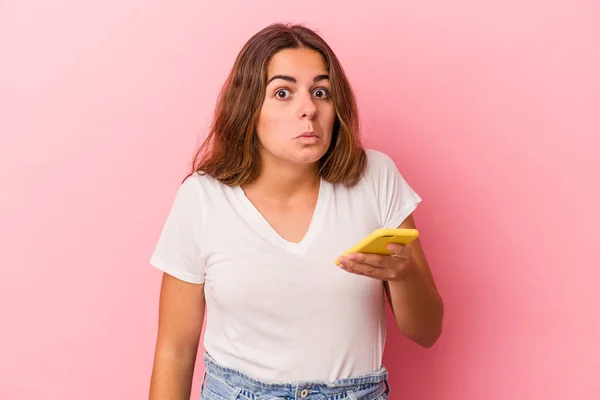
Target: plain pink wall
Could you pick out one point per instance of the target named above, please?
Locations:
(491, 110)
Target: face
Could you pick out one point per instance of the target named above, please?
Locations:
(297, 116)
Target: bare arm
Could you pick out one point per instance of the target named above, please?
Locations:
(181, 315)
(415, 301)
(411, 291)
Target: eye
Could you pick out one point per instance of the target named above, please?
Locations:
(321, 93)
(283, 94)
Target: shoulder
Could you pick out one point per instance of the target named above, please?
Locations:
(198, 187)
(379, 162)
(202, 182)
(383, 171)
(199, 196)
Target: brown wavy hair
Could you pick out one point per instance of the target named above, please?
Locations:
(230, 151)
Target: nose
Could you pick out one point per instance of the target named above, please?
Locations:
(308, 108)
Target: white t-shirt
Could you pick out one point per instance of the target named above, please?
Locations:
(280, 311)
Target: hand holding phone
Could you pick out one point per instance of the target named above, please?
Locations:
(377, 241)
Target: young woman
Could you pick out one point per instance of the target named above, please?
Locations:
(280, 188)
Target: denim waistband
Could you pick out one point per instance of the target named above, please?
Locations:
(226, 383)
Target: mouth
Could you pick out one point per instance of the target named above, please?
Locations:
(308, 135)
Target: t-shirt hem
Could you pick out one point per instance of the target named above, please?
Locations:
(395, 221)
(162, 265)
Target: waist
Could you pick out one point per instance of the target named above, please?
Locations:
(221, 382)
(291, 348)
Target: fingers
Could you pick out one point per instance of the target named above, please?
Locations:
(364, 269)
(376, 260)
(377, 266)
(399, 250)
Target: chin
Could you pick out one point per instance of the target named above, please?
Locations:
(309, 155)
(299, 155)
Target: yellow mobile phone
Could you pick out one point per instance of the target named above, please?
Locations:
(376, 242)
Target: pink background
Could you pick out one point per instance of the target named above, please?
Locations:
(490, 108)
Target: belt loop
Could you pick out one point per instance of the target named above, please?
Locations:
(235, 394)
(351, 395)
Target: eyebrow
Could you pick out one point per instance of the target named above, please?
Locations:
(293, 80)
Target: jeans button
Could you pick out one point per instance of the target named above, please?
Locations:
(304, 393)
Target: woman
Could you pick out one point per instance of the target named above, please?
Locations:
(280, 188)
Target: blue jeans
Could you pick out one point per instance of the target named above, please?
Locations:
(221, 383)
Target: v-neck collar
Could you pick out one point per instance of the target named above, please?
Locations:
(261, 226)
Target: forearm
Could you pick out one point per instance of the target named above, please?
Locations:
(417, 306)
(172, 375)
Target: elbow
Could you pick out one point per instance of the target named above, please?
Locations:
(427, 337)
(432, 332)
(429, 341)
(430, 338)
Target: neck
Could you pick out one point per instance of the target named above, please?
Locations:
(280, 181)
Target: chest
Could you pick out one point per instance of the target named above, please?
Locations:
(291, 222)
(285, 255)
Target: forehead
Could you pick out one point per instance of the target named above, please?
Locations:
(297, 62)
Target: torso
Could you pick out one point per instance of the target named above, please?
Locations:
(278, 308)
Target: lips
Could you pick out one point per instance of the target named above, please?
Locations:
(308, 135)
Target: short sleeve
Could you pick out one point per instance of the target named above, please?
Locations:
(396, 198)
(178, 251)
